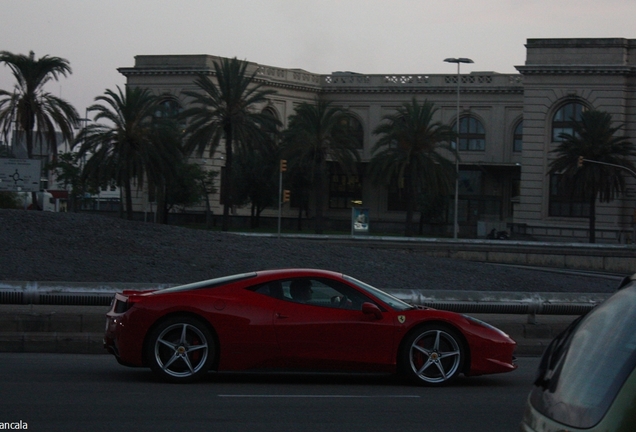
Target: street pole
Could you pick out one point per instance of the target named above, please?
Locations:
(582, 159)
(455, 218)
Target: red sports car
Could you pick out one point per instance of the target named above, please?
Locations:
(298, 319)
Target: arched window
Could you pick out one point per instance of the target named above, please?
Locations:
(565, 118)
(271, 112)
(517, 137)
(472, 135)
(168, 108)
(354, 128)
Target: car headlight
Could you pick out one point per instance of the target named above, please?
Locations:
(485, 324)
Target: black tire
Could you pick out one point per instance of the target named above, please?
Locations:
(180, 349)
(432, 355)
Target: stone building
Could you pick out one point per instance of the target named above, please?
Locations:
(508, 126)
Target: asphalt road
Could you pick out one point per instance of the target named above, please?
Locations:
(62, 392)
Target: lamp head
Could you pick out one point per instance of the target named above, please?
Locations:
(458, 60)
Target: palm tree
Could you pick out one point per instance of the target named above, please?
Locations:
(316, 133)
(593, 138)
(33, 110)
(408, 151)
(131, 145)
(225, 110)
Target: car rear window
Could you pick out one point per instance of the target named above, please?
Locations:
(211, 283)
(587, 369)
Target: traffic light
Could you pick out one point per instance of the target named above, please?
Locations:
(285, 195)
(283, 165)
(580, 162)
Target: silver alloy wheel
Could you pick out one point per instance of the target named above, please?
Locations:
(181, 350)
(435, 356)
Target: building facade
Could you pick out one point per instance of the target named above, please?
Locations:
(508, 125)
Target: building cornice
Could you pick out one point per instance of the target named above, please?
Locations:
(576, 70)
(348, 82)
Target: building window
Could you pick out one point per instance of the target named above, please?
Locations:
(472, 135)
(354, 128)
(343, 188)
(517, 138)
(168, 108)
(470, 182)
(565, 118)
(564, 204)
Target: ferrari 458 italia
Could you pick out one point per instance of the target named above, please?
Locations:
(298, 319)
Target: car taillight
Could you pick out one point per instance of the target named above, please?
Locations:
(121, 306)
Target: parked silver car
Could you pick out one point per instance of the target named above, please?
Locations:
(587, 375)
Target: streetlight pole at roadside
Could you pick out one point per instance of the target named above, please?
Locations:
(455, 221)
(633, 174)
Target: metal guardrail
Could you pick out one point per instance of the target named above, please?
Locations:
(530, 304)
(61, 298)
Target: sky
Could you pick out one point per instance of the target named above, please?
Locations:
(320, 36)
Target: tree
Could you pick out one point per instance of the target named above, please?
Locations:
(31, 109)
(315, 135)
(68, 173)
(226, 110)
(206, 183)
(410, 152)
(184, 189)
(256, 181)
(131, 146)
(593, 138)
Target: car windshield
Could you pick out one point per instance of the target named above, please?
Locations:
(211, 283)
(586, 367)
(394, 302)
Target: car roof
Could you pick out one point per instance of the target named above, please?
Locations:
(298, 272)
(262, 275)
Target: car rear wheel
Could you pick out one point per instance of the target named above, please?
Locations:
(433, 355)
(181, 349)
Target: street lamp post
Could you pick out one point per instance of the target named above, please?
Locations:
(633, 174)
(455, 222)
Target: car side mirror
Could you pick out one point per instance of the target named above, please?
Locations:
(371, 309)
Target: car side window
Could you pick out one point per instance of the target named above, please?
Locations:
(315, 292)
(324, 292)
(272, 289)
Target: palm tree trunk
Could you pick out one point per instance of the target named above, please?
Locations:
(129, 212)
(410, 204)
(318, 199)
(29, 147)
(208, 211)
(121, 201)
(592, 226)
(162, 214)
(227, 184)
(299, 220)
(253, 216)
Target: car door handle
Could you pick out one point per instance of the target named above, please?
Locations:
(281, 316)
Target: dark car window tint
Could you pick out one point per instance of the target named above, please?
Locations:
(588, 374)
(387, 298)
(324, 292)
(211, 283)
(272, 289)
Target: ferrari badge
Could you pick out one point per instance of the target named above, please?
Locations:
(401, 319)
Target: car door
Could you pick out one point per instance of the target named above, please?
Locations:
(330, 331)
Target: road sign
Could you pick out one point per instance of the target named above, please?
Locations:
(20, 175)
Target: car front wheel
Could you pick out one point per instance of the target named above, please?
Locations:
(181, 349)
(432, 355)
